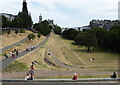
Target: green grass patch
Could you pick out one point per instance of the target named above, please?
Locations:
(42, 65)
(16, 66)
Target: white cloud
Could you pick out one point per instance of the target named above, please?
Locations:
(83, 10)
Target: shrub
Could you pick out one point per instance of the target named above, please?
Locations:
(22, 30)
(16, 31)
(8, 31)
(31, 36)
(39, 35)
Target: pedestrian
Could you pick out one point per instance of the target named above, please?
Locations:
(6, 55)
(75, 77)
(32, 68)
(16, 53)
(14, 50)
(12, 54)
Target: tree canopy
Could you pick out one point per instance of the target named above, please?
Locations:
(58, 30)
(42, 28)
(86, 38)
(70, 33)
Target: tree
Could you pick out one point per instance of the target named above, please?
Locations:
(4, 22)
(86, 38)
(70, 33)
(39, 35)
(57, 30)
(27, 20)
(100, 34)
(112, 40)
(31, 36)
(43, 28)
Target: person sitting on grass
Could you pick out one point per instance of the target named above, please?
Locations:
(114, 75)
(32, 77)
(6, 55)
(28, 77)
(35, 62)
(75, 77)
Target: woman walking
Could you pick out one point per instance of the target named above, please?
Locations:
(12, 54)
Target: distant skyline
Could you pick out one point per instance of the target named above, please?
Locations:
(65, 13)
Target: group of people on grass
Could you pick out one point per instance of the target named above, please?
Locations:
(30, 75)
(12, 53)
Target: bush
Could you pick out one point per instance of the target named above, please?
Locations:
(8, 31)
(31, 36)
(39, 35)
(16, 31)
(22, 30)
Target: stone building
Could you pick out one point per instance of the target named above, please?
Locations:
(106, 24)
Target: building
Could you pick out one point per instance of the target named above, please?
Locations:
(24, 9)
(10, 17)
(40, 18)
(119, 10)
(106, 24)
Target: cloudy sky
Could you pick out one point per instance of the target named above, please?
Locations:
(65, 13)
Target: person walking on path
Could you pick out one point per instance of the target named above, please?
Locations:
(16, 53)
(12, 54)
(32, 68)
(75, 77)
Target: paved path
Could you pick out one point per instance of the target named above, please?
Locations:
(53, 73)
(9, 60)
(75, 54)
(62, 82)
(12, 45)
(56, 60)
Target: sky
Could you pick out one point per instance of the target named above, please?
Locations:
(65, 13)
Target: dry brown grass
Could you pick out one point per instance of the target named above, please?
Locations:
(104, 61)
(37, 55)
(59, 48)
(13, 38)
(24, 45)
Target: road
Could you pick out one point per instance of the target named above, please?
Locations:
(14, 44)
(57, 61)
(9, 60)
(62, 82)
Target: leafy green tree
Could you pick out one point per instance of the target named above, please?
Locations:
(112, 40)
(58, 30)
(27, 20)
(116, 27)
(86, 38)
(43, 28)
(4, 22)
(100, 35)
(70, 33)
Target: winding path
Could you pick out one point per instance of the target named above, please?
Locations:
(14, 44)
(57, 61)
(5, 62)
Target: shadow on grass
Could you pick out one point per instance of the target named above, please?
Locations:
(81, 50)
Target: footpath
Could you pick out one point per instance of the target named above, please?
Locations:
(5, 62)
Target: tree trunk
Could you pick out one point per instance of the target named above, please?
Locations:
(88, 49)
